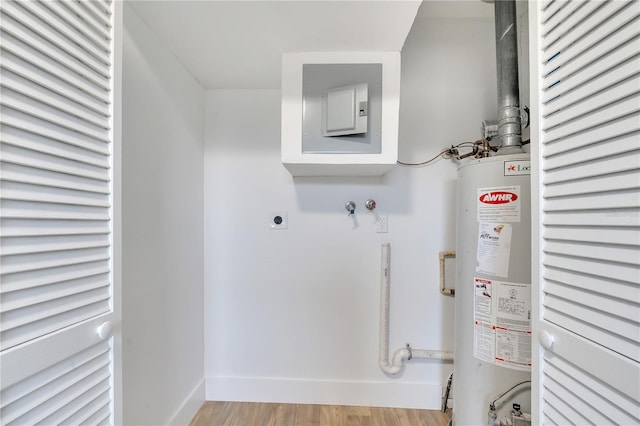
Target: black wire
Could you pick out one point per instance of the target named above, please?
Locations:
(441, 154)
(424, 163)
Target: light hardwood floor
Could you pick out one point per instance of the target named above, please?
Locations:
(270, 414)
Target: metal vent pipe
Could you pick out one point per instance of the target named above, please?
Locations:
(509, 126)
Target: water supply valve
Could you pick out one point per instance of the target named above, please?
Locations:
(351, 207)
(370, 204)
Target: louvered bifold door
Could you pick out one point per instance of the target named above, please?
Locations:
(56, 212)
(589, 174)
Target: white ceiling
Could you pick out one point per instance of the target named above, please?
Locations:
(238, 44)
(434, 9)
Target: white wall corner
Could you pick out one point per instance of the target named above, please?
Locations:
(189, 406)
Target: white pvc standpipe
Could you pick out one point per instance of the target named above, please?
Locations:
(401, 354)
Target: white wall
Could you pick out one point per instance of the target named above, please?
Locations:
(162, 233)
(293, 315)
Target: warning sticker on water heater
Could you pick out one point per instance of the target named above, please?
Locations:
(499, 204)
(502, 323)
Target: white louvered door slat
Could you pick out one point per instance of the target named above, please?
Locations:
(21, 121)
(575, 265)
(603, 400)
(616, 146)
(585, 87)
(551, 9)
(617, 289)
(603, 116)
(79, 38)
(56, 212)
(614, 218)
(34, 107)
(619, 201)
(38, 144)
(47, 48)
(59, 9)
(571, 404)
(589, 168)
(573, 12)
(17, 173)
(56, 80)
(20, 156)
(593, 234)
(572, 42)
(36, 279)
(596, 135)
(599, 61)
(24, 227)
(586, 134)
(591, 185)
(22, 85)
(26, 209)
(616, 93)
(23, 22)
(90, 24)
(595, 301)
(19, 191)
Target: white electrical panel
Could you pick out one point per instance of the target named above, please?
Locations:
(344, 110)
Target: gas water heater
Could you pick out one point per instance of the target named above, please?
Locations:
(492, 353)
(493, 289)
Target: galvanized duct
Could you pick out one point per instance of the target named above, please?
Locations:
(509, 126)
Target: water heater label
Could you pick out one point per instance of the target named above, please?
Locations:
(502, 323)
(517, 168)
(494, 249)
(499, 204)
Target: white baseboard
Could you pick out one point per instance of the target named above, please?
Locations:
(189, 406)
(370, 394)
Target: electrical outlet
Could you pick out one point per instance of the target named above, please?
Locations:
(278, 220)
(382, 224)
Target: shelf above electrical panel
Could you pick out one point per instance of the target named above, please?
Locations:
(340, 113)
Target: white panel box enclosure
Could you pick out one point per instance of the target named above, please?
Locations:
(493, 258)
(371, 152)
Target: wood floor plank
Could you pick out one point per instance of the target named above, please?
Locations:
(285, 414)
(214, 413)
(226, 414)
(262, 413)
(307, 415)
(358, 416)
(331, 415)
(390, 416)
(204, 414)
